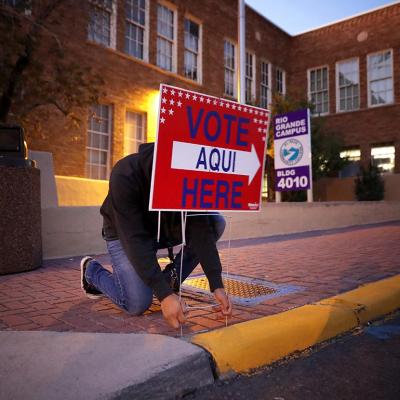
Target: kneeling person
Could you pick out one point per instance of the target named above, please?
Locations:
(130, 231)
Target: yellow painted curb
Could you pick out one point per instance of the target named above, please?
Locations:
(371, 300)
(252, 344)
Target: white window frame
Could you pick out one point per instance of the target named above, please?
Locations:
(357, 60)
(174, 63)
(145, 29)
(309, 86)
(136, 140)
(113, 25)
(278, 69)
(252, 78)
(266, 85)
(234, 70)
(109, 135)
(200, 49)
(369, 80)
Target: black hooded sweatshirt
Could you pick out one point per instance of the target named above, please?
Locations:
(127, 217)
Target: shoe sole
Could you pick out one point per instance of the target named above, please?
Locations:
(88, 295)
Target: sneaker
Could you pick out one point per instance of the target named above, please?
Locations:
(89, 289)
(172, 277)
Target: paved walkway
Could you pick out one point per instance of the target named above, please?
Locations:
(323, 263)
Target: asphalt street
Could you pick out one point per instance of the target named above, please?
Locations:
(362, 365)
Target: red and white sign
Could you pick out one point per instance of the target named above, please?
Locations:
(209, 153)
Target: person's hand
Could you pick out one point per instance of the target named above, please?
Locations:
(224, 302)
(173, 310)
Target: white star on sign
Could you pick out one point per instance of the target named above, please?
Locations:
(240, 108)
(256, 112)
(180, 94)
(164, 100)
(171, 112)
(194, 97)
(179, 103)
(163, 110)
(215, 102)
(165, 90)
(162, 120)
(245, 109)
(255, 120)
(172, 102)
(227, 105)
(187, 95)
(261, 113)
(208, 101)
(221, 103)
(201, 99)
(233, 107)
(259, 130)
(251, 111)
(173, 92)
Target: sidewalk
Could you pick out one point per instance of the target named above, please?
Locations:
(75, 348)
(322, 263)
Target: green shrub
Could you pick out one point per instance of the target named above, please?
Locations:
(369, 185)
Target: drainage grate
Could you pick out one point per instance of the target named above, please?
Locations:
(242, 290)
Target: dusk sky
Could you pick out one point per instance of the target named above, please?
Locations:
(296, 16)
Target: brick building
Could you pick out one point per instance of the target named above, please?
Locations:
(349, 69)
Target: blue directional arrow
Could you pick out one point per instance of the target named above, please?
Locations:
(292, 152)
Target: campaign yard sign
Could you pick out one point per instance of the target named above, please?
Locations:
(292, 149)
(209, 153)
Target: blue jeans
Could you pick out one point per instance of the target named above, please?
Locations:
(124, 287)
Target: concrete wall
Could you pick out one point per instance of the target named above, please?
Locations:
(335, 189)
(71, 231)
(90, 192)
(284, 218)
(80, 192)
(48, 190)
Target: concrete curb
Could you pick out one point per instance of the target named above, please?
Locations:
(253, 344)
(73, 366)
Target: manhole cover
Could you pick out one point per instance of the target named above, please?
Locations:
(241, 289)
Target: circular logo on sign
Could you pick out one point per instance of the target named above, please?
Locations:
(291, 152)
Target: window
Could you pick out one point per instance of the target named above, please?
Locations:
(230, 69)
(166, 42)
(192, 50)
(348, 85)
(280, 81)
(318, 92)
(250, 78)
(136, 34)
(380, 78)
(383, 158)
(353, 156)
(102, 22)
(98, 145)
(265, 85)
(134, 132)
